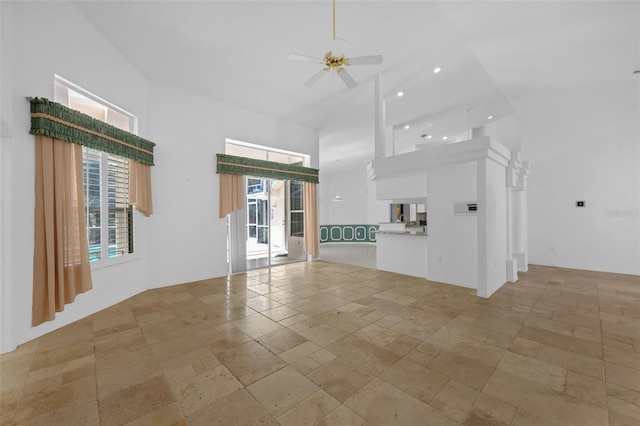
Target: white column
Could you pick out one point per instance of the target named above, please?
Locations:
(520, 230)
(380, 131)
(492, 225)
(482, 227)
(520, 219)
(390, 149)
(512, 267)
(512, 182)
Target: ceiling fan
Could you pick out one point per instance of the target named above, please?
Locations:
(337, 63)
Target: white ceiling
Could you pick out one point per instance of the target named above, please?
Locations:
(491, 54)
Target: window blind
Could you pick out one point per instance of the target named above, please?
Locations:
(108, 213)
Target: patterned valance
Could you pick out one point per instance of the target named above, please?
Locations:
(57, 121)
(230, 164)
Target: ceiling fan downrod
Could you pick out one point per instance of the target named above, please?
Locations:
(334, 19)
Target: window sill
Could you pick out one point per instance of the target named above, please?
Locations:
(108, 263)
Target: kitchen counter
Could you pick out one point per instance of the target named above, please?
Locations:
(408, 232)
(402, 228)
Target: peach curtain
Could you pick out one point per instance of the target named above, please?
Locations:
(231, 193)
(311, 240)
(61, 267)
(140, 187)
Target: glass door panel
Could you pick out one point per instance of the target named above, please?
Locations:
(257, 223)
(272, 237)
(278, 216)
(296, 221)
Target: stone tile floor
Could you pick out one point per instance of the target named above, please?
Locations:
(331, 344)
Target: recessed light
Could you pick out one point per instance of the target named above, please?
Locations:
(490, 117)
(400, 94)
(428, 136)
(436, 70)
(444, 138)
(407, 127)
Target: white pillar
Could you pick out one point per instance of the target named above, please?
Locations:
(513, 172)
(512, 267)
(520, 230)
(520, 219)
(482, 227)
(390, 149)
(491, 222)
(379, 118)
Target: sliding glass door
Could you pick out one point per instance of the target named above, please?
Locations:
(274, 222)
(269, 229)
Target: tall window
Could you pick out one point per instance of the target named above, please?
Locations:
(106, 178)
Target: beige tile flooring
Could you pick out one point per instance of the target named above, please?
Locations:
(330, 344)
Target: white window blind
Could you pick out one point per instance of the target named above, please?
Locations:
(108, 213)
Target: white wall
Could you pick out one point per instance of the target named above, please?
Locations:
(188, 240)
(506, 130)
(403, 254)
(452, 255)
(75, 50)
(406, 186)
(359, 206)
(492, 227)
(183, 240)
(584, 145)
(6, 144)
(377, 211)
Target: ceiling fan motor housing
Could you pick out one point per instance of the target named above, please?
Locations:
(334, 62)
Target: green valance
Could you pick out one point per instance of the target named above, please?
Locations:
(230, 164)
(57, 121)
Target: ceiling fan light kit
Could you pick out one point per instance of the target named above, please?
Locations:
(337, 63)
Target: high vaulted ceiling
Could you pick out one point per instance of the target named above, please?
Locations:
(491, 53)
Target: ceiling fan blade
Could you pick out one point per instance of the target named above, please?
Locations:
(365, 60)
(315, 78)
(346, 78)
(304, 58)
